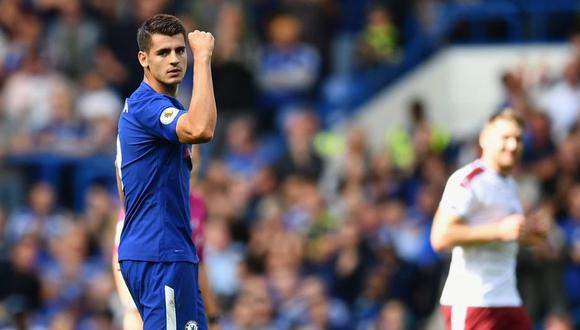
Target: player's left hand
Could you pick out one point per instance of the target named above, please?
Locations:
(538, 227)
(540, 223)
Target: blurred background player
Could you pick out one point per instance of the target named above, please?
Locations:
(131, 318)
(481, 217)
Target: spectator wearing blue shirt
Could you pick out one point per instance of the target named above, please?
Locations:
(288, 69)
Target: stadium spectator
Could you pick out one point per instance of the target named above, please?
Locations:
(64, 133)
(235, 57)
(223, 259)
(300, 157)
(393, 315)
(20, 285)
(40, 218)
(378, 42)
(287, 68)
(243, 156)
(539, 155)
(562, 103)
(72, 40)
(409, 146)
(99, 107)
(515, 94)
(30, 108)
(540, 271)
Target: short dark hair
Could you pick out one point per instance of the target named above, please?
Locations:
(164, 24)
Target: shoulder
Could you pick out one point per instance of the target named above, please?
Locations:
(145, 97)
(141, 101)
(465, 176)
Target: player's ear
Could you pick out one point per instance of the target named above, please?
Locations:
(483, 136)
(143, 60)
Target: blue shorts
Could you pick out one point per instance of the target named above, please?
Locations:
(167, 294)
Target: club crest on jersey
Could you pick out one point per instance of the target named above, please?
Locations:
(191, 325)
(168, 115)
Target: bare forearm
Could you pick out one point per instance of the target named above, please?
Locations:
(461, 234)
(202, 105)
(450, 230)
(198, 124)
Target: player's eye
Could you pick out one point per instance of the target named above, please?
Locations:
(180, 50)
(163, 52)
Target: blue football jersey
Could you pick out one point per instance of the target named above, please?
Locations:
(154, 169)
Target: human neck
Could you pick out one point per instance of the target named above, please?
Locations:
(492, 165)
(160, 87)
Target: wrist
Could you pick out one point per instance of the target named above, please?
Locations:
(501, 236)
(204, 56)
(496, 232)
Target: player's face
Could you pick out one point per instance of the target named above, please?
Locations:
(502, 144)
(166, 59)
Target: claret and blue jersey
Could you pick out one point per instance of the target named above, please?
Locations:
(154, 169)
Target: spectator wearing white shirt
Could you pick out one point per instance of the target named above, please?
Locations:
(562, 102)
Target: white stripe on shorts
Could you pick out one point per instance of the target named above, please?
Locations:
(170, 318)
(458, 316)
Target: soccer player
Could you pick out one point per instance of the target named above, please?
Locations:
(480, 217)
(157, 256)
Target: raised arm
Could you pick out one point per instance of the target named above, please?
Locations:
(450, 230)
(198, 124)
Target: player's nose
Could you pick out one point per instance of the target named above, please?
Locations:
(512, 144)
(173, 58)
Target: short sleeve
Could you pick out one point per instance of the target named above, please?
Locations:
(457, 199)
(159, 118)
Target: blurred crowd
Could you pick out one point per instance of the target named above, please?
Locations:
(306, 228)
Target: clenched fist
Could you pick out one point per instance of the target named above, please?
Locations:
(512, 227)
(201, 43)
